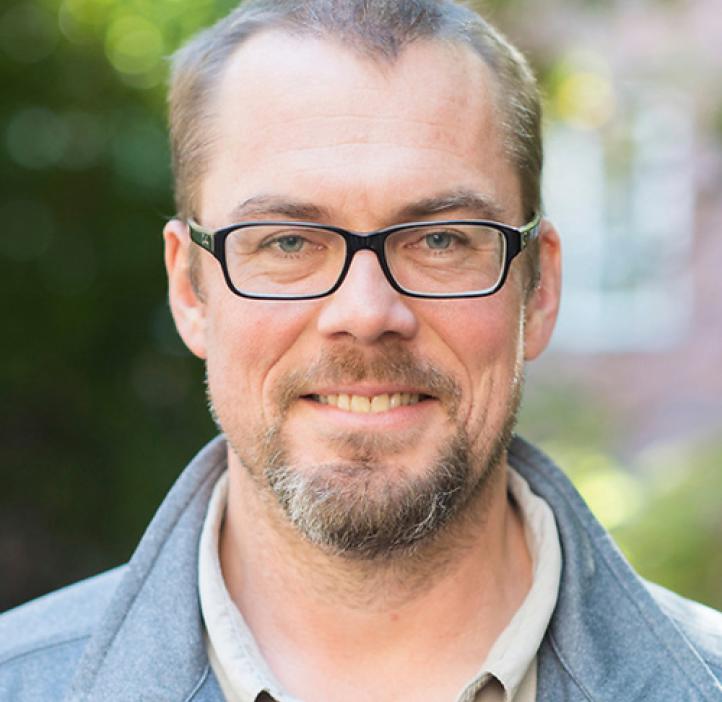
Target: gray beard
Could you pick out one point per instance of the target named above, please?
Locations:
(354, 509)
(367, 508)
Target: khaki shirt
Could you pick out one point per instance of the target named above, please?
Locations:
(507, 675)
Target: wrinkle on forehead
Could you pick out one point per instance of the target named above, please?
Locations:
(351, 129)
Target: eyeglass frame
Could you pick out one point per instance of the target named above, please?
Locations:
(516, 238)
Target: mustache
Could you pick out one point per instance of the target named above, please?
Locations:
(391, 363)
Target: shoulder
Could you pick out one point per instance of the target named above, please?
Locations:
(700, 624)
(41, 641)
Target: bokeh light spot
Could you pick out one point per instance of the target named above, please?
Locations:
(80, 20)
(613, 495)
(585, 99)
(133, 45)
(140, 153)
(36, 138)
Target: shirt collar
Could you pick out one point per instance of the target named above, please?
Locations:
(237, 662)
(515, 650)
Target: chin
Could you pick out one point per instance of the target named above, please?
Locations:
(369, 509)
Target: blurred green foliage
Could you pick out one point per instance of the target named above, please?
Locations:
(101, 404)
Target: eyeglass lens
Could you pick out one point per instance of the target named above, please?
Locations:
(433, 259)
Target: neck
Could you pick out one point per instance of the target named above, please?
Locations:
(460, 589)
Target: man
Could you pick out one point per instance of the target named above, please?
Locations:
(360, 261)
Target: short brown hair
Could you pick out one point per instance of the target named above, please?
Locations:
(379, 29)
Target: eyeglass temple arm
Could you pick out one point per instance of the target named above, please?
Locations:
(201, 236)
(529, 231)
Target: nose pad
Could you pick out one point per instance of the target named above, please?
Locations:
(365, 306)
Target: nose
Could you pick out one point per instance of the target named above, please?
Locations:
(366, 307)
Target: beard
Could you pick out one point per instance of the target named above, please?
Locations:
(368, 506)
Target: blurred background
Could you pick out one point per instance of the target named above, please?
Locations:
(102, 406)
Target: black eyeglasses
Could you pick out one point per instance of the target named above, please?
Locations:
(305, 261)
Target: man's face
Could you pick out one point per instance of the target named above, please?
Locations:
(309, 131)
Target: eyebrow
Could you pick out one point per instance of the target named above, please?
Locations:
(265, 205)
(477, 204)
(457, 199)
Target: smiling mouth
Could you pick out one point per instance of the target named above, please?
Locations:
(363, 404)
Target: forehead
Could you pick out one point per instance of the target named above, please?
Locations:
(308, 118)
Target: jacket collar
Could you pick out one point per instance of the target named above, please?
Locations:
(608, 639)
(150, 644)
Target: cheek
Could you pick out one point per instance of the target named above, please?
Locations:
(484, 337)
(230, 355)
(482, 331)
(246, 341)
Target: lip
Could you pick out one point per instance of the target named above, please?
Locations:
(365, 390)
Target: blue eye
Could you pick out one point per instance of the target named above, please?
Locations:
(439, 240)
(290, 244)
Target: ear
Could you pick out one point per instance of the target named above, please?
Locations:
(187, 307)
(543, 303)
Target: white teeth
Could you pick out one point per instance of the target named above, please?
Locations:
(363, 404)
(360, 403)
(379, 403)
